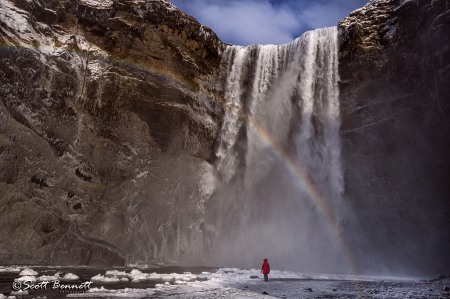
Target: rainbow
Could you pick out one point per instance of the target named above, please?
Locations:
(293, 168)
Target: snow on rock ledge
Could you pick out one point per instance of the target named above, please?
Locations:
(372, 26)
(99, 4)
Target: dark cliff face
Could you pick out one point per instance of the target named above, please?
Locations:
(395, 106)
(108, 122)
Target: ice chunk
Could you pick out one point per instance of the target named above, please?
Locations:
(135, 272)
(19, 293)
(116, 273)
(166, 277)
(100, 290)
(28, 271)
(98, 278)
(70, 277)
(101, 278)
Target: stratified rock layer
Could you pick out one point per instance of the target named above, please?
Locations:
(108, 123)
(395, 86)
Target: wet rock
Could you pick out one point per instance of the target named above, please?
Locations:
(394, 99)
(307, 290)
(446, 288)
(334, 289)
(441, 277)
(254, 276)
(265, 293)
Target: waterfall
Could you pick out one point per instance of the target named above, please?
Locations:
(281, 113)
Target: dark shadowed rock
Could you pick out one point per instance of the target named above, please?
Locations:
(446, 288)
(395, 109)
(254, 276)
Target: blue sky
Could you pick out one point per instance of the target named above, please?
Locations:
(246, 22)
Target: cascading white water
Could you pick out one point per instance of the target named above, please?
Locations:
(279, 99)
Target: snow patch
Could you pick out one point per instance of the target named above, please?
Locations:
(9, 269)
(101, 4)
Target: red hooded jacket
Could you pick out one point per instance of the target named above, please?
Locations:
(265, 267)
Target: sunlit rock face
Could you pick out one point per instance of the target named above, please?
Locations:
(395, 108)
(108, 122)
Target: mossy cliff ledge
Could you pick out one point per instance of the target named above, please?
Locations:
(108, 120)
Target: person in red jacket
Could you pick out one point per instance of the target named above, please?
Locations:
(265, 270)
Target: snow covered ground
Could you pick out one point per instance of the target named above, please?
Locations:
(236, 283)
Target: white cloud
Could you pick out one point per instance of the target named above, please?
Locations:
(323, 15)
(245, 22)
(248, 22)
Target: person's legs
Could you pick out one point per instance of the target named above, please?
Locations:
(266, 277)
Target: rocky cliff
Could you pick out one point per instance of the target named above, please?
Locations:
(395, 105)
(108, 120)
